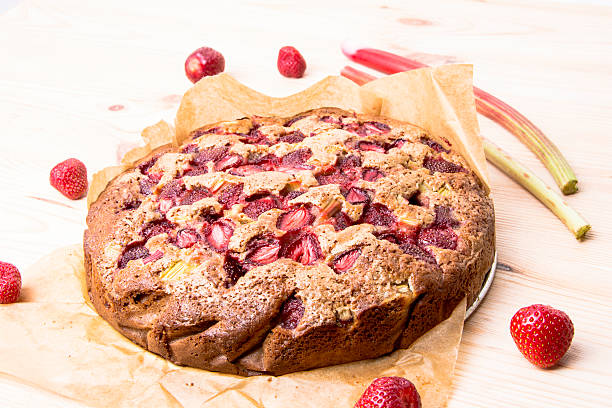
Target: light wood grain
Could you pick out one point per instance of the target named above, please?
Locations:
(65, 62)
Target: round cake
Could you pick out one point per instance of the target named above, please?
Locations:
(270, 245)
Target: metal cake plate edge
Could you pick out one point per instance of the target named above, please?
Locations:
(485, 288)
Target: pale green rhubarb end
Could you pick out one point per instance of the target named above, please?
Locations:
(175, 271)
(486, 104)
(522, 175)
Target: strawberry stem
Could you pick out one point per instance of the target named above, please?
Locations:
(487, 105)
(515, 171)
(519, 173)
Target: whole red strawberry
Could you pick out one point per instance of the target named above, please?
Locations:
(542, 333)
(390, 392)
(70, 178)
(290, 62)
(203, 62)
(10, 283)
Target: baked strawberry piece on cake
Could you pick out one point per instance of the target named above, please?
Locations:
(273, 245)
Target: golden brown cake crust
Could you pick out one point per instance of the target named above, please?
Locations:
(272, 245)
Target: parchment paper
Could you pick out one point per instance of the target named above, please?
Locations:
(54, 340)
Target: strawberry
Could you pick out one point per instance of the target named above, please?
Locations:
(293, 194)
(396, 144)
(348, 162)
(262, 250)
(301, 247)
(294, 219)
(232, 160)
(357, 196)
(434, 145)
(191, 148)
(264, 254)
(211, 154)
(165, 205)
(169, 195)
(146, 166)
(186, 238)
(194, 170)
(269, 162)
(390, 392)
(334, 177)
(442, 237)
(367, 128)
(542, 333)
(134, 250)
(331, 119)
(156, 227)
(230, 195)
(371, 174)
(10, 283)
(370, 146)
(293, 137)
(406, 238)
(290, 62)
(372, 128)
(233, 270)
(70, 178)
(378, 214)
(442, 166)
(146, 185)
(255, 136)
(218, 234)
(189, 197)
(418, 252)
(340, 221)
(444, 217)
(297, 159)
(246, 170)
(345, 260)
(255, 208)
(203, 62)
(291, 313)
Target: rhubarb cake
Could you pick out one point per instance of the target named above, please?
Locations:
(269, 245)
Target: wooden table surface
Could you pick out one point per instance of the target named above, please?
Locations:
(65, 63)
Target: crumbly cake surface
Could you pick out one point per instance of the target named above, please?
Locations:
(272, 245)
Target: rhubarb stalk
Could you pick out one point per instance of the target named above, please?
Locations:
(487, 105)
(522, 175)
(328, 210)
(516, 171)
(357, 76)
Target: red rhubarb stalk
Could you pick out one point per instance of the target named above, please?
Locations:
(357, 76)
(486, 104)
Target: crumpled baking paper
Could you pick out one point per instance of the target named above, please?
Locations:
(53, 343)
